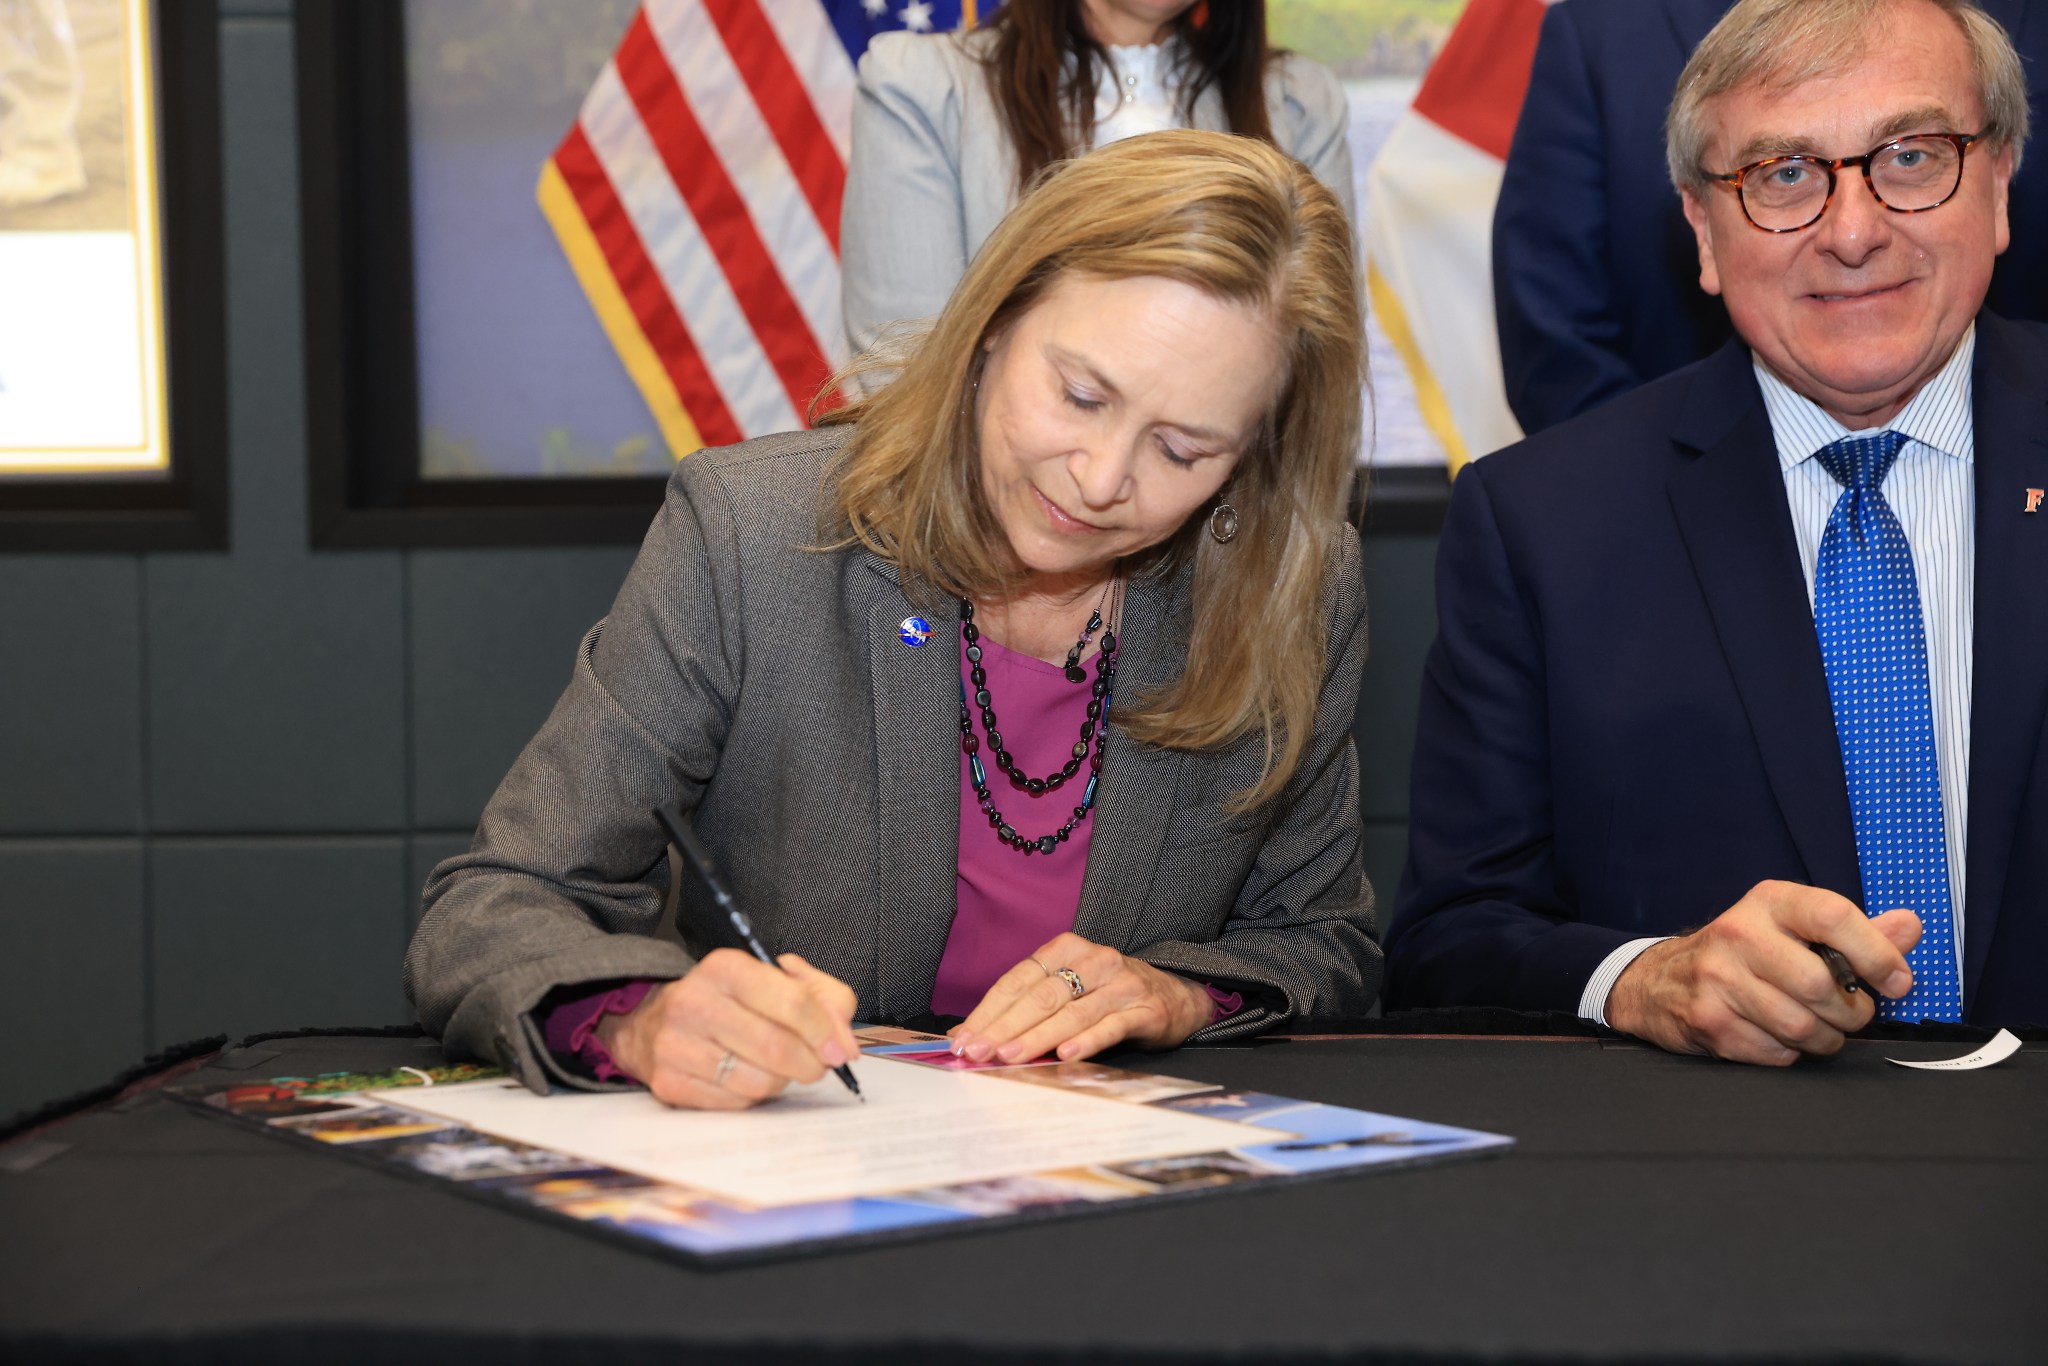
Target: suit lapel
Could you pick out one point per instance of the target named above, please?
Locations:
(1730, 504)
(917, 793)
(2009, 675)
(1140, 786)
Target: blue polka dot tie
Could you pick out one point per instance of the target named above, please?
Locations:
(1867, 611)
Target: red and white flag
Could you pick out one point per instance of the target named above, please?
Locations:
(697, 199)
(1429, 248)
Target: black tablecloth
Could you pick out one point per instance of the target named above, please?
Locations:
(1656, 1207)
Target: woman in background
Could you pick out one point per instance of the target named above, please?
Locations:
(1021, 690)
(949, 129)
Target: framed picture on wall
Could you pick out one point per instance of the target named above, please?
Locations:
(112, 424)
(508, 333)
(481, 369)
(460, 389)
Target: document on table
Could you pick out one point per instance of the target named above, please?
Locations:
(921, 1127)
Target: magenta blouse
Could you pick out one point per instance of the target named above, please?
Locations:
(1007, 903)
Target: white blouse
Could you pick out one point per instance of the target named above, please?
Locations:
(1134, 95)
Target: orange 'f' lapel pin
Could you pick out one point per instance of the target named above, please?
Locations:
(2034, 497)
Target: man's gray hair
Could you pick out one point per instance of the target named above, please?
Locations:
(1780, 43)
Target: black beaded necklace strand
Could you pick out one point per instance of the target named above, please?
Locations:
(1075, 673)
(1094, 727)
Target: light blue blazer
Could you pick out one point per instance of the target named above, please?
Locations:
(932, 171)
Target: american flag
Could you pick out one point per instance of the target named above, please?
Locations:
(697, 199)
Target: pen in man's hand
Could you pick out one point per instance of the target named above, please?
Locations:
(685, 840)
(1845, 976)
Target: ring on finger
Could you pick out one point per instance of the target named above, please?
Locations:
(1073, 981)
(724, 1068)
(1033, 960)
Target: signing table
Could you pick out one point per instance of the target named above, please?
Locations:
(1655, 1207)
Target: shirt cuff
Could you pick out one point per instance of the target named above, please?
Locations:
(1222, 1003)
(1593, 1000)
(570, 1031)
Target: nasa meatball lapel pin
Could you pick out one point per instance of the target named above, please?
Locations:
(914, 631)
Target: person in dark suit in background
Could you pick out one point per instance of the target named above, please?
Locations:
(1595, 281)
(1753, 648)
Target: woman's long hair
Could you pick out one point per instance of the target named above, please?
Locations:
(1043, 69)
(1248, 225)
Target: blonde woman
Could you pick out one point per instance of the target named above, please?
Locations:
(1019, 692)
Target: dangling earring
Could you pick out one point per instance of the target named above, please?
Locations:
(1223, 524)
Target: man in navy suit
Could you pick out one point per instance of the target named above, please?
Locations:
(1594, 273)
(1712, 656)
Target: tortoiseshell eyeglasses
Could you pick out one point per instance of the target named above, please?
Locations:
(1906, 175)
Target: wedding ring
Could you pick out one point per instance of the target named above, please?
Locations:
(724, 1069)
(1033, 960)
(1073, 981)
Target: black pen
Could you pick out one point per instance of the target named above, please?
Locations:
(1845, 976)
(697, 856)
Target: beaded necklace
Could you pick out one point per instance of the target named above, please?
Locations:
(1093, 728)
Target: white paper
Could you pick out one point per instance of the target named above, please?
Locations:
(2002, 1046)
(920, 1127)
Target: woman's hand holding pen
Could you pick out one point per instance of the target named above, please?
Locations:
(1076, 998)
(734, 1031)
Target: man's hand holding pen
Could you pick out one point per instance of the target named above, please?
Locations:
(735, 1031)
(1748, 985)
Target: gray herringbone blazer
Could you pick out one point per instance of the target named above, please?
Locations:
(763, 685)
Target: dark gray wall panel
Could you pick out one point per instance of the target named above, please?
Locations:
(426, 851)
(1401, 590)
(494, 638)
(1386, 851)
(72, 998)
(276, 682)
(70, 695)
(276, 695)
(266, 355)
(263, 934)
